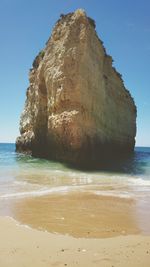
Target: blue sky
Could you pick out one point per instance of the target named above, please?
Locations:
(25, 26)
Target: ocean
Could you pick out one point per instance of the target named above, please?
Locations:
(23, 178)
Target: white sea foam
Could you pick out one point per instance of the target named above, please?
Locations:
(34, 193)
(65, 181)
(114, 194)
(139, 181)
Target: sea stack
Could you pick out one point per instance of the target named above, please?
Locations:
(77, 108)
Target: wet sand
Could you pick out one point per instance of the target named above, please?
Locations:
(21, 246)
(80, 215)
(74, 229)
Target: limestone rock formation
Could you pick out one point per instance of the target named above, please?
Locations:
(77, 108)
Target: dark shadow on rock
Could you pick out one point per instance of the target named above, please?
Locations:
(135, 163)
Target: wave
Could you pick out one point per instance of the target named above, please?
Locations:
(64, 190)
(114, 194)
(41, 192)
(139, 181)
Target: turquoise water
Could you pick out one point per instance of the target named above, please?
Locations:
(22, 176)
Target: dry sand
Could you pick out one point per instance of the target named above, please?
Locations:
(26, 247)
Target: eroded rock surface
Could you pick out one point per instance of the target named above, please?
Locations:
(77, 108)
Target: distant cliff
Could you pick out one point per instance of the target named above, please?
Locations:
(77, 108)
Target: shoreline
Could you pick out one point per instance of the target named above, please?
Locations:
(24, 246)
(81, 215)
(86, 219)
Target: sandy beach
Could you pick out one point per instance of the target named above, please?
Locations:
(75, 134)
(67, 217)
(23, 246)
